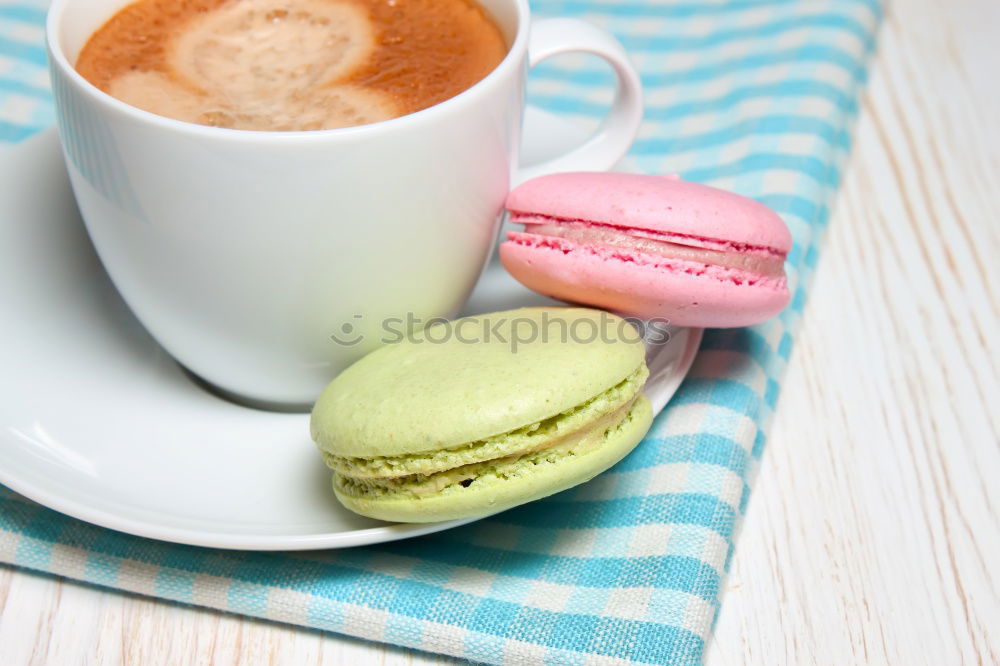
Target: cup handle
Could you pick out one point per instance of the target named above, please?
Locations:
(609, 144)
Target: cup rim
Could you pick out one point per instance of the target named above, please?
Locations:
(58, 59)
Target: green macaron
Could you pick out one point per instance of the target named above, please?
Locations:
(474, 416)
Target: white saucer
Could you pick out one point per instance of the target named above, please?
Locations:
(96, 421)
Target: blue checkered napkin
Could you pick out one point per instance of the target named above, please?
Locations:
(755, 96)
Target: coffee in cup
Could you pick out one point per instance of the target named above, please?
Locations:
(291, 64)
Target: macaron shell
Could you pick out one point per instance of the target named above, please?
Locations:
(414, 397)
(482, 499)
(647, 291)
(511, 443)
(657, 203)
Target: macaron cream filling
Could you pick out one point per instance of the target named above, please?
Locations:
(527, 439)
(573, 445)
(741, 259)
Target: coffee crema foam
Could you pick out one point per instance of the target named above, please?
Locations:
(291, 64)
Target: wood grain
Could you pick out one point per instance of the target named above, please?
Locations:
(873, 535)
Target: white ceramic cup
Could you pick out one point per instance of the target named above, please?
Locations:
(245, 253)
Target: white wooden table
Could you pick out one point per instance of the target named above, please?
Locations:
(873, 535)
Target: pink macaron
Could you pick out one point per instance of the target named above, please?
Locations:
(650, 246)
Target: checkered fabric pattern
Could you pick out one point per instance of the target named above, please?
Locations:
(756, 96)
